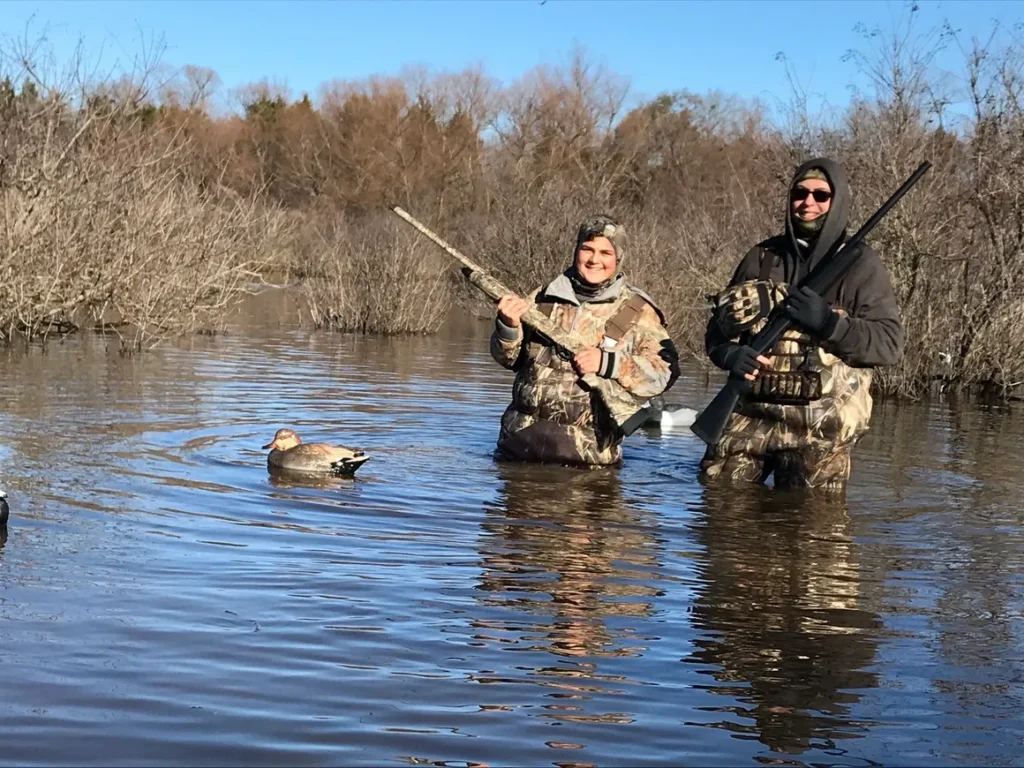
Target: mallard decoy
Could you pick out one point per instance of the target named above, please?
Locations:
(288, 452)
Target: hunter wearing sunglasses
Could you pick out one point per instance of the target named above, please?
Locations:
(809, 401)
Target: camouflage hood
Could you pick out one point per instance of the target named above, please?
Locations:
(836, 219)
(598, 225)
(602, 225)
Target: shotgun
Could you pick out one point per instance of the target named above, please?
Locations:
(712, 421)
(628, 412)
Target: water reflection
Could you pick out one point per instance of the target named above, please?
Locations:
(569, 579)
(781, 606)
(564, 545)
(282, 478)
(444, 606)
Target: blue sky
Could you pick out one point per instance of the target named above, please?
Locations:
(660, 46)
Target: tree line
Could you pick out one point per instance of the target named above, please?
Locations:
(132, 205)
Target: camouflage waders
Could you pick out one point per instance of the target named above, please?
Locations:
(553, 419)
(802, 417)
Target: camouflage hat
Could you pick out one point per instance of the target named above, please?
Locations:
(600, 225)
(812, 173)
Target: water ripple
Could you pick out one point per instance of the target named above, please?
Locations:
(165, 599)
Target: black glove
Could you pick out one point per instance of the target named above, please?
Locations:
(811, 311)
(740, 360)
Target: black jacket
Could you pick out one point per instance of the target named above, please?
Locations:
(872, 334)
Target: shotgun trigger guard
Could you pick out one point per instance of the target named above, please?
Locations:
(563, 354)
(560, 352)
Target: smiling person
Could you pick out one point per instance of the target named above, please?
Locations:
(551, 417)
(809, 401)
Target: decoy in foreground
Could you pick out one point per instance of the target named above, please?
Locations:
(288, 452)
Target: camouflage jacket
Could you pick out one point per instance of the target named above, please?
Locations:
(551, 417)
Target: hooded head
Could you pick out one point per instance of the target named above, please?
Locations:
(820, 233)
(597, 266)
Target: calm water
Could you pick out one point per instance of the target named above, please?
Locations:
(165, 601)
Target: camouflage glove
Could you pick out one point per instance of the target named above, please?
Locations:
(740, 360)
(812, 312)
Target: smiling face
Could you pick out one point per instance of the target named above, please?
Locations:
(596, 261)
(810, 199)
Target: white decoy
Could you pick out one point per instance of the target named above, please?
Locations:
(668, 418)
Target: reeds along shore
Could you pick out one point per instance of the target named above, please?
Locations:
(133, 202)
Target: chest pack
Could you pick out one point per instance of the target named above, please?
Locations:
(741, 310)
(616, 326)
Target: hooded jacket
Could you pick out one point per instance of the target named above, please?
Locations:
(871, 332)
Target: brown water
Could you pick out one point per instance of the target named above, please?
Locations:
(164, 601)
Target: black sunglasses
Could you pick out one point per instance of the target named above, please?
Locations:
(819, 195)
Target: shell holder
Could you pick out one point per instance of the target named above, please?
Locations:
(786, 387)
(738, 309)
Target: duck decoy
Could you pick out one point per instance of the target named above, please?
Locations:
(288, 452)
(668, 419)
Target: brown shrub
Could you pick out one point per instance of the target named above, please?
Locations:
(374, 276)
(506, 174)
(105, 223)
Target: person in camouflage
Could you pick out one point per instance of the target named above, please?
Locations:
(552, 419)
(809, 401)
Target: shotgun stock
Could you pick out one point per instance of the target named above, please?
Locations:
(712, 421)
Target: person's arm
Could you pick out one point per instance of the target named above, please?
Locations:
(652, 364)
(720, 349)
(506, 343)
(872, 333)
(508, 335)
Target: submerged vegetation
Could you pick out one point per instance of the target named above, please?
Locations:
(133, 205)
